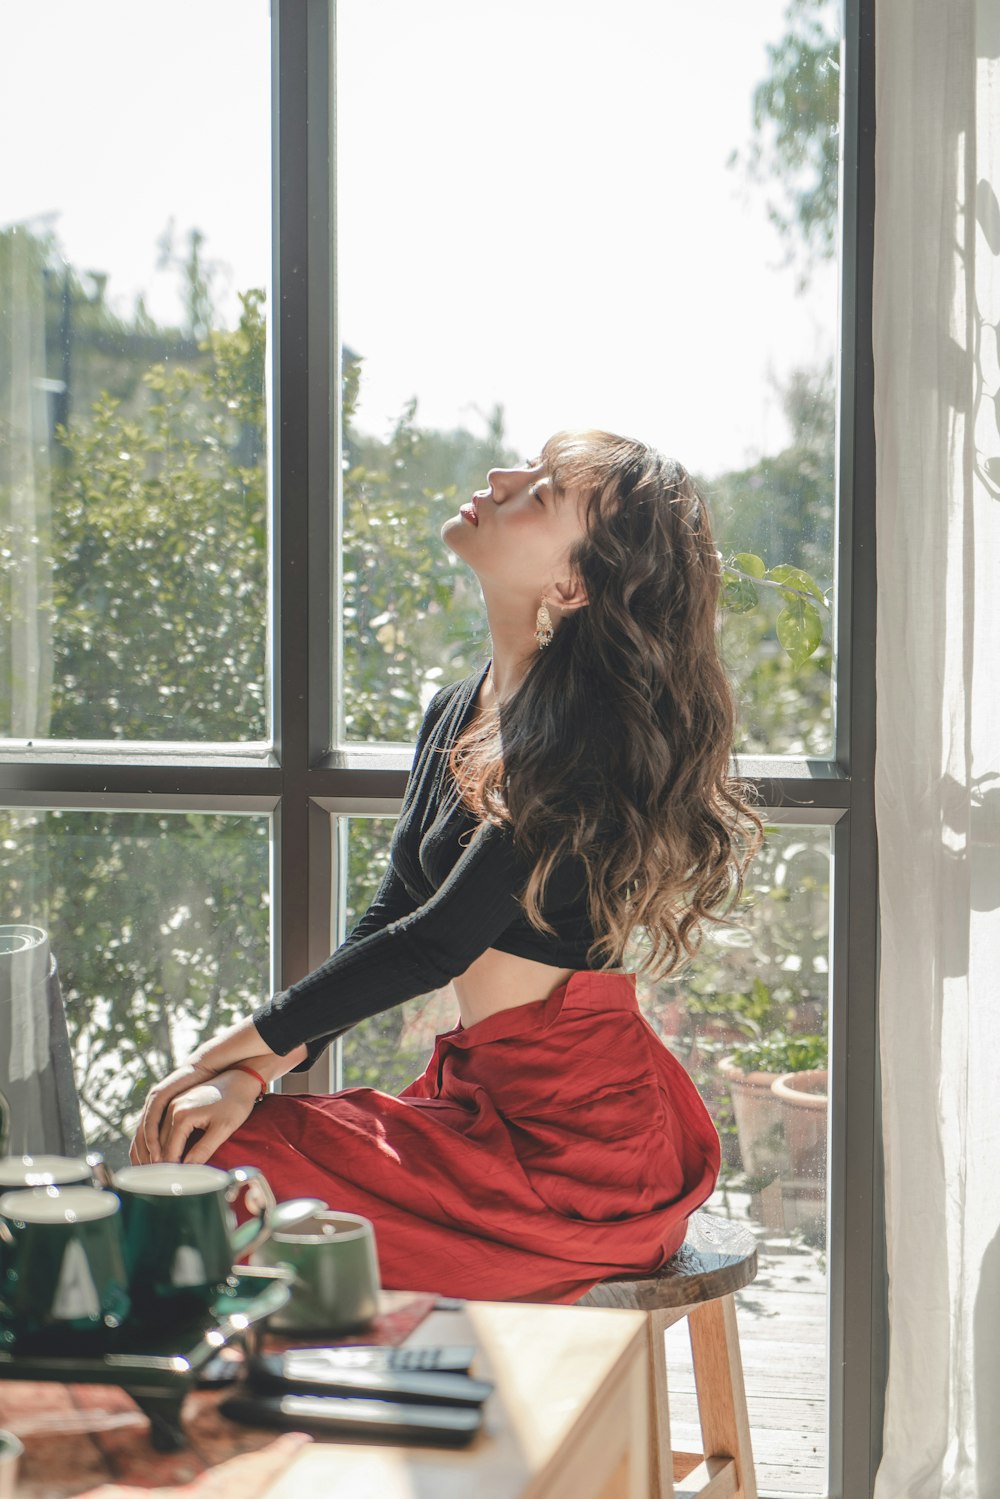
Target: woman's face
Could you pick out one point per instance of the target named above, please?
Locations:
(518, 533)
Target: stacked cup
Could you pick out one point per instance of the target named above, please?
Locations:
(77, 1258)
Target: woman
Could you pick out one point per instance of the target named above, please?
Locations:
(572, 794)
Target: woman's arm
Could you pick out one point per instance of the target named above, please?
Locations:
(171, 1111)
(242, 1042)
(370, 973)
(410, 956)
(191, 1096)
(391, 903)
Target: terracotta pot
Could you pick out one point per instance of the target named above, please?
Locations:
(802, 1100)
(757, 1113)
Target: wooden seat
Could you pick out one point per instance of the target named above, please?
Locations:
(716, 1259)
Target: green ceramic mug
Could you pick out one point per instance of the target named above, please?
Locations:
(11, 1452)
(336, 1285)
(181, 1237)
(62, 1265)
(19, 1172)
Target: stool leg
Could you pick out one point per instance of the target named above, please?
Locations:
(722, 1401)
(661, 1466)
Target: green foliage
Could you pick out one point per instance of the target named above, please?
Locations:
(159, 554)
(774, 523)
(758, 990)
(156, 558)
(372, 1056)
(795, 142)
(412, 616)
(799, 626)
(739, 595)
(782, 1054)
(799, 629)
(159, 925)
(150, 555)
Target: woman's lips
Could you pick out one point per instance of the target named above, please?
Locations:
(468, 512)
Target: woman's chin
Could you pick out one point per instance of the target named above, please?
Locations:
(453, 534)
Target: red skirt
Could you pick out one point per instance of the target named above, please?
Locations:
(543, 1149)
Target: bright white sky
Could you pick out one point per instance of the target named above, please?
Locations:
(534, 201)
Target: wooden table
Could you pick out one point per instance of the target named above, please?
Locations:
(568, 1418)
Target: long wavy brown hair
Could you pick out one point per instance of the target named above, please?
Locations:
(616, 746)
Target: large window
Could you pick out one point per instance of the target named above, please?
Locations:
(270, 307)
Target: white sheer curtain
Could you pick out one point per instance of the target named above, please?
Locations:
(937, 416)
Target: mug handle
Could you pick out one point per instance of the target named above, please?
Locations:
(255, 1230)
(100, 1175)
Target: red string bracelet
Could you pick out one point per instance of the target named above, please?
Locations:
(242, 1067)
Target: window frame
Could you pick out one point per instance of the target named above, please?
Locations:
(306, 787)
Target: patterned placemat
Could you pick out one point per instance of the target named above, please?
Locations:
(92, 1442)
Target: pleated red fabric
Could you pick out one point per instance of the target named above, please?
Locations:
(543, 1149)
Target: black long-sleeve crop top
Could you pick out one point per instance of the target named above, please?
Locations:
(450, 892)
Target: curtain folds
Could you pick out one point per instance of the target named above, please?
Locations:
(937, 424)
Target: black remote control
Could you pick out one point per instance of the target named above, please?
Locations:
(286, 1371)
(327, 1415)
(439, 1358)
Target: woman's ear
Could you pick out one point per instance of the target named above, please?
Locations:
(569, 596)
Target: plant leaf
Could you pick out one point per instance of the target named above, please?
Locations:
(794, 577)
(799, 630)
(749, 562)
(739, 596)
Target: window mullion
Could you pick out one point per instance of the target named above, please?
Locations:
(305, 459)
(290, 459)
(857, 1277)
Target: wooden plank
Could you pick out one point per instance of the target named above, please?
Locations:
(712, 1478)
(660, 1440)
(607, 1454)
(800, 1445)
(781, 1412)
(782, 1320)
(725, 1426)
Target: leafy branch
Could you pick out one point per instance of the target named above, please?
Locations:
(799, 626)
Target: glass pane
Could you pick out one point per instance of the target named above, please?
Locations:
(128, 938)
(389, 1050)
(583, 227)
(749, 1019)
(134, 260)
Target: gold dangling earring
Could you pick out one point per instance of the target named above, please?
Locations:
(543, 626)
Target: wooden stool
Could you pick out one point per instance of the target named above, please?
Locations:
(716, 1259)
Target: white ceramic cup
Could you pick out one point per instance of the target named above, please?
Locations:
(336, 1285)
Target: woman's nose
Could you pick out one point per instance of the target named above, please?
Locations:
(498, 480)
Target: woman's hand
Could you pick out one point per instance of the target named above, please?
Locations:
(145, 1147)
(216, 1108)
(240, 1042)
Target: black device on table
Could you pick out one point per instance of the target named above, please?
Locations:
(301, 1371)
(453, 1358)
(333, 1416)
(415, 1394)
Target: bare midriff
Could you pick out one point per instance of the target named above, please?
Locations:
(502, 981)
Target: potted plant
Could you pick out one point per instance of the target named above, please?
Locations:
(752, 1070)
(752, 1007)
(801, 1096)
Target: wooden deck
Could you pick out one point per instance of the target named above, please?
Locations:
(782, 1320)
